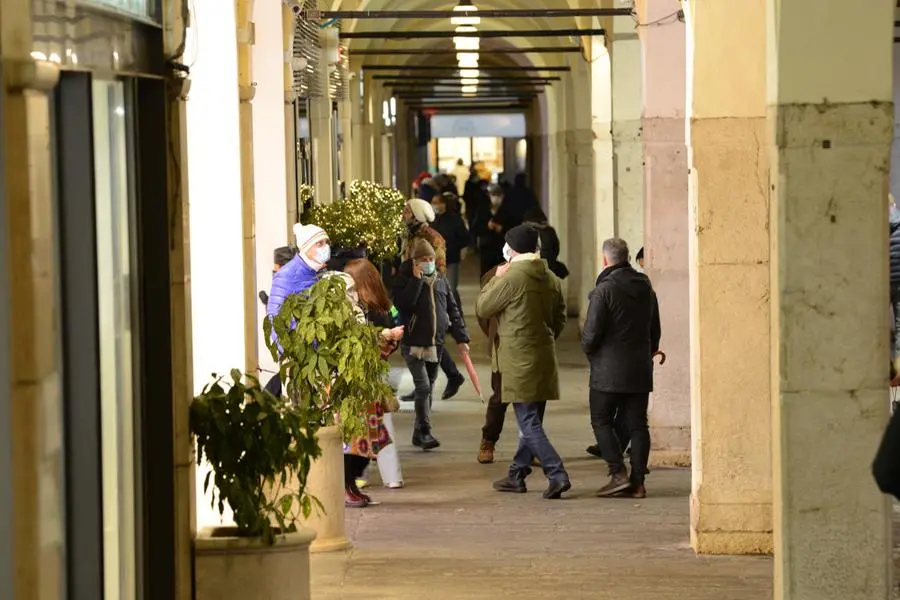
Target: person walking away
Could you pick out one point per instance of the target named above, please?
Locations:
(620, 336)
(520, 197)
(550, 246)
(419, 216)
(461, 172)
(449, 223)
(490, 227)
(427, 310)
(298, 275)
(528, 301)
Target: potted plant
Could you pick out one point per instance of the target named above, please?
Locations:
(333, 370)
(260, 452)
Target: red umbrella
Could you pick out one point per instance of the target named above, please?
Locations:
(473, 376)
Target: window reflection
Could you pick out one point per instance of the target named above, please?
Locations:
(114, 301)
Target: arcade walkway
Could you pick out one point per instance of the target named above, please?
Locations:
(448, 536)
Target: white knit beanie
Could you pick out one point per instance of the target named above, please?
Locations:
(421, 210)
(307, 236)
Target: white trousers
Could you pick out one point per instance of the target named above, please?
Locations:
(388, 459)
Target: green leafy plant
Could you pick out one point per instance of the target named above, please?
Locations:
(260, 451)
(370, 215)
(331, 362)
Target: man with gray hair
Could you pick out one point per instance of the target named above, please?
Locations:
(620, 336)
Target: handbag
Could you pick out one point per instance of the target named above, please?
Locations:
(886, 467)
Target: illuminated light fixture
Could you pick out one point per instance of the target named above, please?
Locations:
(469, 89)
(469, 81)
(467, 60)
(466, 14)
(464, 44)
(469, 73)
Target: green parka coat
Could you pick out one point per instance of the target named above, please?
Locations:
(529, 303)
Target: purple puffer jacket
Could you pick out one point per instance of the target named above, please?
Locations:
(294, 277)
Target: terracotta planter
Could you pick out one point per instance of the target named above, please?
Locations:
(237, 568)
(326, 482)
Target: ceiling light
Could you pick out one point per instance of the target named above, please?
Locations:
(469, 81)
(469, 73)
(467, 60)
(464, 44)
(466, 14)
(469, 89)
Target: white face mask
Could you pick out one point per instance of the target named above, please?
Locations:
(322, 254)
(507, 253)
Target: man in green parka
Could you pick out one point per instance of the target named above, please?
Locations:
(527, 299)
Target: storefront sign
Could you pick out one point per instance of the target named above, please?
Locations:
(501, 125)
(140, 9)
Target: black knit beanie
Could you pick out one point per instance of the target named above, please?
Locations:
(523, 238)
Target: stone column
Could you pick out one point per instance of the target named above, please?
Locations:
(246, 91)
(731, 499)
(831, 123)
(666, 226)
(270, 149)
(604, 203)
(36, 527)
(345, 114)
(320, 123)
(628, 152)
(358, 131)
(290, 121)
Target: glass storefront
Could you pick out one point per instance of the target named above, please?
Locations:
(117, 414)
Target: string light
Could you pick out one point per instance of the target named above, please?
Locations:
(370, 215)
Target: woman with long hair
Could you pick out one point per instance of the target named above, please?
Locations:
(372, 299)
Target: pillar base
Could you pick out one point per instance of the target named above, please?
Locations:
(669, 458)
(731, 528)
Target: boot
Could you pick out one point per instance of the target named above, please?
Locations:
(511, 484)
(618, 482)
(486, 452)
(453, 386)
(351, 500)
(423, 439)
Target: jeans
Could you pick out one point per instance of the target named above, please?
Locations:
(424, 374)
(633, 408)
(533, 442)
(495, 413)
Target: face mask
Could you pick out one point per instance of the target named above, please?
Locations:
(507, 253)
(322, 254)
(496, 200)
(427, 268)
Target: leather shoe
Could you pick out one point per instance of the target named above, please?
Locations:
(508, 484)
(557, 488)
(424, 440)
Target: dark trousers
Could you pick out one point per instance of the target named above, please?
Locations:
(424, 374)
(353, 469)
(449, 367)
(495, 413)
(895, 333)
(534, 442)
(633, 408)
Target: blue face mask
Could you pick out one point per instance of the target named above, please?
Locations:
(427, 268)
(323, 254)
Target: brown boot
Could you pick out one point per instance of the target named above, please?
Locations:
(486, 452)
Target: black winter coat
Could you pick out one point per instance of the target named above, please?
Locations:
(427, 309)
(622, 331)
(550, 249)
(455, 233)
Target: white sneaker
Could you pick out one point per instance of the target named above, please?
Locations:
(394, 485)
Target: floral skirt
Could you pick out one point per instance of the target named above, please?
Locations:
(375, 440)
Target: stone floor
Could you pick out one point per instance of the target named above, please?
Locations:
(448, 536)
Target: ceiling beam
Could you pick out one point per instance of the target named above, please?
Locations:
(450, 51)
(548, 13)
(503, 69)
(486, 34)
(390, 78)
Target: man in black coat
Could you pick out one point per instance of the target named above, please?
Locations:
(620, 336)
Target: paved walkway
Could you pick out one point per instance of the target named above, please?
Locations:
(448, 536)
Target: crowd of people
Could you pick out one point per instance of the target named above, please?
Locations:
(521, 309)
